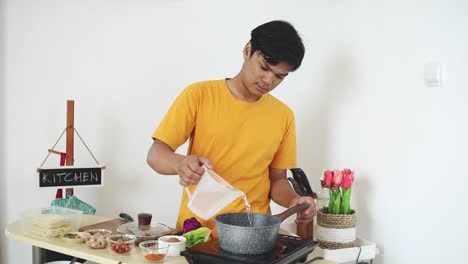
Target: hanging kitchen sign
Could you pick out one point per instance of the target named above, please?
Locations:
(71, 176)
(67, 175)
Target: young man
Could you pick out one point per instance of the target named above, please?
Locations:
(238, 129)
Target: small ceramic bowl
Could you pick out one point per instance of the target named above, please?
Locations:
(153, 251)
(176, 244)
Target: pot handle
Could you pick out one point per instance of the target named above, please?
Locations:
(127, 217)
(291, 211)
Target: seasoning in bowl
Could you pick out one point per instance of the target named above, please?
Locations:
(153, 257)
(172, 239)
(153, 251)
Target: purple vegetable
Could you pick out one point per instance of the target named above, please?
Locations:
(191, 224)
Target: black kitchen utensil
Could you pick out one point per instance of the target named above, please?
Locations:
(301, 183)
(126, 217)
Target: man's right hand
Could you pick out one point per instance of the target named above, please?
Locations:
(190, 169)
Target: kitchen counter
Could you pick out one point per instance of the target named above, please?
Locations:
(81, 250)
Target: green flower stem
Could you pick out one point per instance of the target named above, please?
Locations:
(345, 203)
(336, 202)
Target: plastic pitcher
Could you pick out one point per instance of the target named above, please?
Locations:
(211, 195)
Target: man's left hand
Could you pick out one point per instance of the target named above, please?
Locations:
(307, 215)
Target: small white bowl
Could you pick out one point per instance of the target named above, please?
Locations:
(176, 244)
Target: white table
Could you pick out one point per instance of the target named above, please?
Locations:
(81, 250)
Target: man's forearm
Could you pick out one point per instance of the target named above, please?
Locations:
(163, 159)
(281, 191)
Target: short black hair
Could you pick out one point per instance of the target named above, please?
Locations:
(278, 41)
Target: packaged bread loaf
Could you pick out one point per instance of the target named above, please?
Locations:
(49, 225)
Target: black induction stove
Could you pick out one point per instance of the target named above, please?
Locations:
(288, 249)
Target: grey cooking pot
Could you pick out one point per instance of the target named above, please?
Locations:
(237, 236)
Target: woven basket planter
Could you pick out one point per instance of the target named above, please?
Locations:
(336, 231)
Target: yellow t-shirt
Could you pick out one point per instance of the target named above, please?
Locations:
(242, 139)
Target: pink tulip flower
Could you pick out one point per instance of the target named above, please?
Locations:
(337, 178)
(327, 178)
(348, 179)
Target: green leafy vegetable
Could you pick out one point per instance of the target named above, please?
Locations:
(71, 236)
(197, 236)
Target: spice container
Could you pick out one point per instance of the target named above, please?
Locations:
(153, 251)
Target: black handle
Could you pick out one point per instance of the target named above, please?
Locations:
(301, 179)
(296, 187)
(126, 217)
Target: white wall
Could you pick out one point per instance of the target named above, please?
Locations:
(359, 100)
(3, 196)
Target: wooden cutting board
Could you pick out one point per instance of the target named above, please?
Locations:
(110, 224)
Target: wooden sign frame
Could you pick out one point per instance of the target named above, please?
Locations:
(70, 176)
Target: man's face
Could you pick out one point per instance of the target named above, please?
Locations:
(259, 76)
